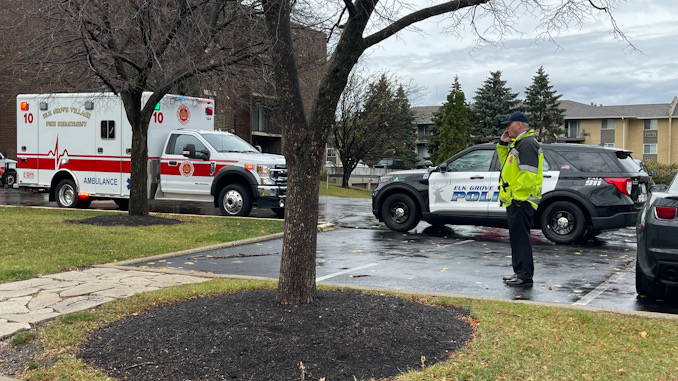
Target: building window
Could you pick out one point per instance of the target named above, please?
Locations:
(572, 129)
(649, 149)
(650, 124)
(607, 124)
(609, 145)
(422, 132)
(108, 129)
(258, 118)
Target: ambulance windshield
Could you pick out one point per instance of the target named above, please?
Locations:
(228, 143)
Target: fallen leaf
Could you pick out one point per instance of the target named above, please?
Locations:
(643, 334)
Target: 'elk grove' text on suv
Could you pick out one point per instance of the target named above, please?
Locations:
(586, 190)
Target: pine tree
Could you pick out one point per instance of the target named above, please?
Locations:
(541, 103)
(451, 123)
(494, 102)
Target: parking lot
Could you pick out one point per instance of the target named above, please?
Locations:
(461, 260)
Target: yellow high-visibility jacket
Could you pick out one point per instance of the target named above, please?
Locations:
(521, 171)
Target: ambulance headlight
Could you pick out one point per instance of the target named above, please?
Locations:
(264, 172)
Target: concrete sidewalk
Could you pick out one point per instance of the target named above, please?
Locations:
(39, 299)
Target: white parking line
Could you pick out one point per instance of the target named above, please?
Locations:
(322, 278)
(463, 242)
(596, 292)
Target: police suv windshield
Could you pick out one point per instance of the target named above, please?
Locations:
(228, 143)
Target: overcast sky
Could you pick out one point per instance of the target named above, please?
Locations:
(587, 65)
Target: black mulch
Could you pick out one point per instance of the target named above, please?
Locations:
(127, 220)
(249, 336)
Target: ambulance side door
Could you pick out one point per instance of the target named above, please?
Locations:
(108, 145)
(466, 187)
(181, 174)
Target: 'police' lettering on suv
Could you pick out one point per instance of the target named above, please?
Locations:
(586, 190)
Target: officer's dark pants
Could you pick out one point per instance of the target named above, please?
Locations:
(520, 217)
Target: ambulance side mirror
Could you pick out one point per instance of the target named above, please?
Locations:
(190, 152)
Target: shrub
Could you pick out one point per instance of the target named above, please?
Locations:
(665, 172)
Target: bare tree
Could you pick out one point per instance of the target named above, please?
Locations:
(305, 135)
(129, 47)
(371, 115)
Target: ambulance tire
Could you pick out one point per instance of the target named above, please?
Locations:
(235, 200)
(563, 222)
(400, 213)
(122, 203)
(10, 179)
(66, 194)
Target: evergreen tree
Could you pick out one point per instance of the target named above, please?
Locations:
(541, 103)
(451, 123)
(494, 102)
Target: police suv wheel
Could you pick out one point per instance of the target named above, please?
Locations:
(563, 222)
(400, 213)
(235, 200)
(66, 194)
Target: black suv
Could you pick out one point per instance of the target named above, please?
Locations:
(390, 163)
(586, 190)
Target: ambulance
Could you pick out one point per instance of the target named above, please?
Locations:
(77, 147)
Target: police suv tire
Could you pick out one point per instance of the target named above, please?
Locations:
(235, 200)
(399, 212)
(66, 194)
(563, 222)
(279, 212)
(646, 287)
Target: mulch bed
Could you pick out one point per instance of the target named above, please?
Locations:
(126, 220)
(249, 336)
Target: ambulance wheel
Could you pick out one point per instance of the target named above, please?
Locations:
(399, 212)
(235, 200)
(279, 212)
(66, 195)
(122, 203)
(10, 178)
(563, 222)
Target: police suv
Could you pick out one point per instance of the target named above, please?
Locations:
(586, 190)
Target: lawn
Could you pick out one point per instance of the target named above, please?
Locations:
(513, 341)
(42, 241)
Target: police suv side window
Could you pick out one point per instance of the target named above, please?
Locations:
(475, 161)
(588, 161)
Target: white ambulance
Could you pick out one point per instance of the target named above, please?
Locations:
(77, 146)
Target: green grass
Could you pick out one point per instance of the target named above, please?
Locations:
(513, 341)
(337, 191)
(41, 241)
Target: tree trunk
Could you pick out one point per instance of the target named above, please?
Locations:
(345, 178)
(138, 197)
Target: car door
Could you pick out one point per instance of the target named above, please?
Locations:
(180, 174)
(467, 186)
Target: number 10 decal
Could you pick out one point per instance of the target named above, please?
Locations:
(158, 117)
(28, 118)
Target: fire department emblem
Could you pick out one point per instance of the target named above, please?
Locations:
(183, 114)
(186, 169)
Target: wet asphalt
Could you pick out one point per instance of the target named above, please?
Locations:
(460, 260)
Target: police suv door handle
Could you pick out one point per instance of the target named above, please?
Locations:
(547, 176)
(477, 177)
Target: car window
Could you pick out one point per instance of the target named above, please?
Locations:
(674, 184)
(474, 161)
(180, 141)
(587, 161)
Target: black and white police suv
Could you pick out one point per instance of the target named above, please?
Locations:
(586, 190)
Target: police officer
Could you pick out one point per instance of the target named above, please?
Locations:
(520, 190)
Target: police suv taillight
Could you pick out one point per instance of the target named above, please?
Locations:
(624, 184)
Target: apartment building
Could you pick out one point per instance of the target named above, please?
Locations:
(649, 130)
